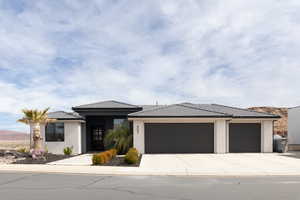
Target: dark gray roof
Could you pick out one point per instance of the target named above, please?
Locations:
(200, 110)
(176, 110)
(235, 112)
(106, 104)
(64, 115)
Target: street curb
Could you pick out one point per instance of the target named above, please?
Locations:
(129, 171)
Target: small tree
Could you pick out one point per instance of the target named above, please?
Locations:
(120, 138)
(35, 118)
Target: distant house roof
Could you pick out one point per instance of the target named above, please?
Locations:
(106, 105)
(295, 107)
(64, 115)
(200, 110)
(149, 107)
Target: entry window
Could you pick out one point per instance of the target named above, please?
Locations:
(119, 122)
(55, 132)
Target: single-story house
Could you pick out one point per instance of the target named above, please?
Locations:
(176, 128)
(294, 128)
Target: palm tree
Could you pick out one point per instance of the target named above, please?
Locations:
(35, 118)
(120, 138)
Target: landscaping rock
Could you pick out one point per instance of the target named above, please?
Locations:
(1, 153)
(8, 153)
(20, 154)
(13, 153)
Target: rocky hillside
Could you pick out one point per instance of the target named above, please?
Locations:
(280, 126)
(13, 135)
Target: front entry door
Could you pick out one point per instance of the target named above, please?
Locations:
(97, 138)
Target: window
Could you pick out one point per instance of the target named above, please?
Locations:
(55, 132)
(119, 122)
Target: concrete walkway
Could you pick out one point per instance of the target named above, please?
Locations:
(80, 160)
(256, 164)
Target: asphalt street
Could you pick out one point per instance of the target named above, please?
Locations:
(37, 186)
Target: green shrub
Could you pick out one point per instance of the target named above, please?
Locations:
(133, 150)
(46, 149)
(22, 150)
(96, 159)
(132, 156)
(68, 151)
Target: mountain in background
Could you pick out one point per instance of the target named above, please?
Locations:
(281, 125)
(13, 135)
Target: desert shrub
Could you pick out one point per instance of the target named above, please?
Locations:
(22, 150)
(113, 152)
(96, 160)
(46, 149)
(68, 151)
(132, 156)
(108, 154)
(133, 150)
(104, 157)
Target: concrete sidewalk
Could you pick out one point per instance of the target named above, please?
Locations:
(256, 164)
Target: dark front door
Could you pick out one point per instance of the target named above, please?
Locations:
(179, 138)
(244, 137)
(97, 138)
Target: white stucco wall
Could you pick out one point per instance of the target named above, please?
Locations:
(72, 138)
(221, 132)
(294, 126)
(220, 137)
(267, 136)
(139, 136)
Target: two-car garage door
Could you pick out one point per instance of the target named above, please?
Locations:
(179, 138)
(199, 137)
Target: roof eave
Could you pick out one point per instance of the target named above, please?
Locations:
(68, 119)
(221, 117)
(256, 117)
(178, 116)
(111, 108)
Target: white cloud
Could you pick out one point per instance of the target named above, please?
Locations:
(65, 53)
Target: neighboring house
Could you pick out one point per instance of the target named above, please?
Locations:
(294, 128)
(176, 128)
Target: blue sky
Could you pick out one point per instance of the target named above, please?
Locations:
(63, 53)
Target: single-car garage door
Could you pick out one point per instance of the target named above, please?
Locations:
(244, 137)
(179, 137)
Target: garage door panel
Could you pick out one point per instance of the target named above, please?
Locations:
(179, 138)
(244, 137)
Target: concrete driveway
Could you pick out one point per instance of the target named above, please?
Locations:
(232, 164)
(218, 164)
